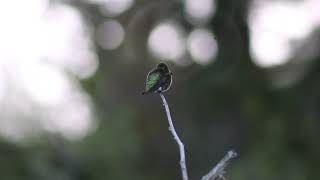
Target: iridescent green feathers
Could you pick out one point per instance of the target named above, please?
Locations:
(158, 79)
(152, 79)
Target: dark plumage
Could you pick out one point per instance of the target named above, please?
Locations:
(158, 79)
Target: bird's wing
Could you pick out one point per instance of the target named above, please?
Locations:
(167, 82)
(152, 79)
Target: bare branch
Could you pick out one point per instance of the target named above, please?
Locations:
(176, 138)
(218, 170)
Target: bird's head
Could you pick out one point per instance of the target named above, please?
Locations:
(163, 67)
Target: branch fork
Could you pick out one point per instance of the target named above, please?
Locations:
(217, 172)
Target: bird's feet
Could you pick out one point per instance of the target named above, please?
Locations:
(159, 90)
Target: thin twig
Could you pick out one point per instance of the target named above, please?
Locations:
(218, 170)
(176, 138)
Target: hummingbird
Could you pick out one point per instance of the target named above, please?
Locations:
(158, 79)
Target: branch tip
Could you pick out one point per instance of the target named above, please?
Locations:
(219, 169)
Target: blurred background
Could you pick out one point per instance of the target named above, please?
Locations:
(246, 77)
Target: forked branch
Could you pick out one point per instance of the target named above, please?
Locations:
(216, 172)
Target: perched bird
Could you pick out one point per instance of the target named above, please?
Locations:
(158, 79)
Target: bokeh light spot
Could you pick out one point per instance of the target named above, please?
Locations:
(166, 41)
(274, 25)
(76, 110)
(44, 49)
(46, 85)
(202, 46)
(110, 34)
(62, 26)
(199, 11)
(113, 8)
